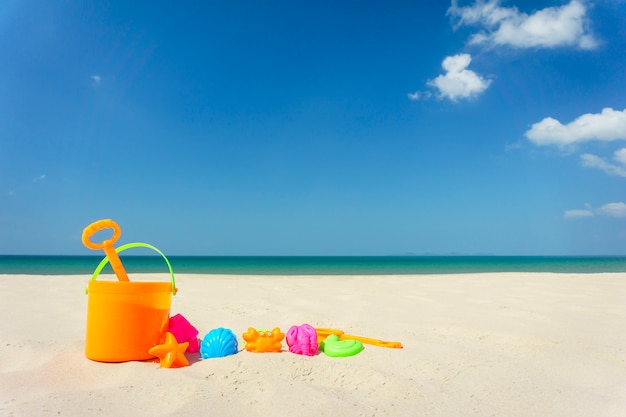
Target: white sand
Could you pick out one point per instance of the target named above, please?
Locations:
(474, 345)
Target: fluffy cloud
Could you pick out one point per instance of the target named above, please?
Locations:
(610, 210)
(414, 96)
(620, 156)
(459, 82)
(606, 126)
(547, 28)
(593, 161)
(577, 214)
(551, 27)
(613, 210)
(609, 125)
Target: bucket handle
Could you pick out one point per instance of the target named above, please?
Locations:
(105, 261)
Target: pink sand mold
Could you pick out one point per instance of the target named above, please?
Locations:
(302, 340)
(183, 331)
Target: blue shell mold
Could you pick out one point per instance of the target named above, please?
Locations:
(218, 343)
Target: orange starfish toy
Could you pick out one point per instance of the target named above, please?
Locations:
(170, 353)
(264, 341)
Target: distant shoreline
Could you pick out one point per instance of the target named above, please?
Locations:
(316, 265)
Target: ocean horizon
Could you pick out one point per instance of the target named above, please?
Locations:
(315, 265)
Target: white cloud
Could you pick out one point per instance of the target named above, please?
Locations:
(551, 27)
(609, 209)
(39, 178)
(96, 79)
(414, 96)
(576, 214)
(593, 161)
(613, 210)
(606, 126)
(458, 81)
(620, 156)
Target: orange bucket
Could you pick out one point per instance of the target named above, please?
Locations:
(125, 319)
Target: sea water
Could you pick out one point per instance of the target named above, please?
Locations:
(317, 265)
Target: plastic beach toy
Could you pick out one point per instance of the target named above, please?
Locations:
(323, 333)
(183, 331)
(125, 319)
(106, 245)
(264, 341)
(302, 340)
(218, 343)
(171, 354)
(336, 348)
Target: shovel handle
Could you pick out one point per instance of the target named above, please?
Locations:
(322, 333)
(106, 245)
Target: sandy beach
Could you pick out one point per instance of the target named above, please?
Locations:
(509, 344)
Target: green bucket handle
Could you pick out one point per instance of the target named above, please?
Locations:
(105, 261)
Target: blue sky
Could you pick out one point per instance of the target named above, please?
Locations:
(315, 128)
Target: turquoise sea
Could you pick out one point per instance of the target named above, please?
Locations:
(315, 265)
